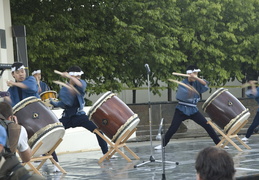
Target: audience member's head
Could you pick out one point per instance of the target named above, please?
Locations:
(6, 110)
(213, 163)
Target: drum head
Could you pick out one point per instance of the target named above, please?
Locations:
(129, 125)
(49, 140)
(236, 122)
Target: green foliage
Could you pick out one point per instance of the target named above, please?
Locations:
(113, 40)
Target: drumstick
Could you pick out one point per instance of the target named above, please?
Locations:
(58, 72)
(248, 84)
(62, 74)
(67, 86)
(180, 74)
(185, 85)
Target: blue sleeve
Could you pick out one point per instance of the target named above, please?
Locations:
(82, 88)
(13, 95)
(200, 87)
(3, 135)
(31, 84)
(251, 95)
(66, 97)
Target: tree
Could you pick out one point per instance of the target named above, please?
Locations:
(113, 40)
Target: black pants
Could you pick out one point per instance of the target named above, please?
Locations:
(83, 121)
(254, 124)
(197, 117)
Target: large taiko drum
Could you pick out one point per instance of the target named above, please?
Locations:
(112, 116)
(41, 124)
(225, 110)
(46, 96)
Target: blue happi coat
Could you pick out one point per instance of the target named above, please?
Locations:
(72, 104)
(187, 99)
(32, 90)
(251, 95)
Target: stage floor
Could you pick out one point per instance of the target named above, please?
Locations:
(84, 165)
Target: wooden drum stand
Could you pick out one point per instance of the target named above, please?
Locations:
(232, 133)
(43, 158)
(115, 147)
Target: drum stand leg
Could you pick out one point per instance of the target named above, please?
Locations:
(44, 158)
(232, 133)
(115, 147)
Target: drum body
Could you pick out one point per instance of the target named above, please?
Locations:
(112, 116)
(45, 97)
(40, 122)
(225, 109)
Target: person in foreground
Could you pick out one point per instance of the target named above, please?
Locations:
(188, 95)
(17, 138)
(253, 92)
(72, 101)
(213, 163)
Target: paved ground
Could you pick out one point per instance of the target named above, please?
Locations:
(84, 165)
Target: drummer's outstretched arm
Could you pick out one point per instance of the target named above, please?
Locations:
(18, 84)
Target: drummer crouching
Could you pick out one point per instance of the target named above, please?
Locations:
(10, 167)
(72, 101)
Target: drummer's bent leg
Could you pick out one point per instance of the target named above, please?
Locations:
(254, 124)
(200, 119)
(83, 121)
(176, 122)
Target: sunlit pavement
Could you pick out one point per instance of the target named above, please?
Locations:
(84, 165)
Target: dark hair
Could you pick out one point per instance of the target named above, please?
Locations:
(192, 67)
(6, 109)
(17, 65)
(213, 163)
(74, 69)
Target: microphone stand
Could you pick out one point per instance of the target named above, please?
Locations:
(151, 158)
(162, 136)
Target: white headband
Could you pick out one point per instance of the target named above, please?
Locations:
(36, 72)
(192, 71)
(76, 73)
(14, 68)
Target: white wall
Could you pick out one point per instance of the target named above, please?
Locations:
(78, 139)
(6, 55)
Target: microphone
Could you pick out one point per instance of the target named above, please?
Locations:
(158, 137)
(147, 68)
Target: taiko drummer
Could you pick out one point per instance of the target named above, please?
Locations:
(42, 85)
(23, 86)
(253, 93)
(187, 105)
(71, 99)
